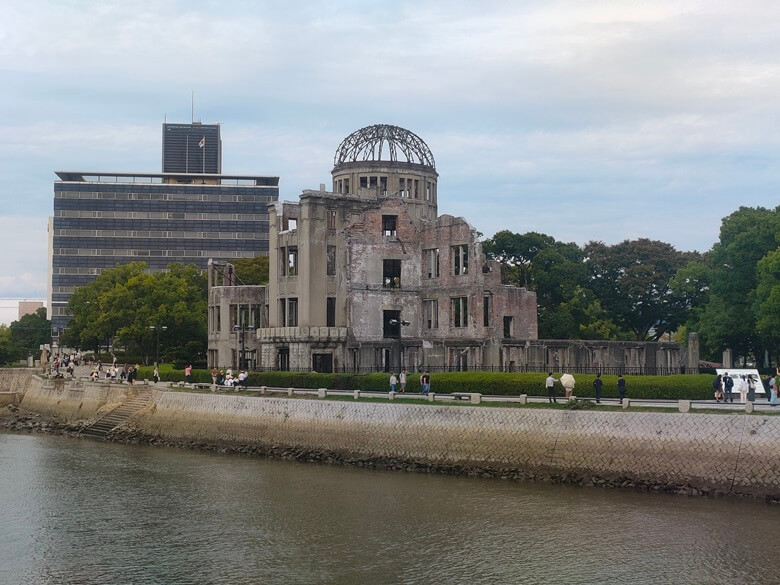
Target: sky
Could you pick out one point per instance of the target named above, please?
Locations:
(585, 120)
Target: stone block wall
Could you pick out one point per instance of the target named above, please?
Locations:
(16, 379)
(733, 453)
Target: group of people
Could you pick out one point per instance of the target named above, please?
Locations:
(425, 382)
(226, 378)
(567, 381)
(725, 386)
(126, 373)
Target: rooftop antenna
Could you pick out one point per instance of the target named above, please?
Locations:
(193, 107)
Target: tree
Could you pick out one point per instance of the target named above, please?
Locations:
(632, 280)
(30, 332)
(125, 302)
(734, 305)
(252, 270)
(6, 346)
(767, 303)
(567, 308)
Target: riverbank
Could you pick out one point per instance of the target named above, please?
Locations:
(671, 452)
(17, 420)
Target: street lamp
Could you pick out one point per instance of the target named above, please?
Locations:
(157, 329)
(241, 330)
(401, 323)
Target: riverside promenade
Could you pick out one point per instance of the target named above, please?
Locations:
(656, 447)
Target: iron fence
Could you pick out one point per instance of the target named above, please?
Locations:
(624, 370)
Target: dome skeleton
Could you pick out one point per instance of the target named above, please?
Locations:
(368, 144)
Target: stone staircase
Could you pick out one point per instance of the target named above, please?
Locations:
(121, 414)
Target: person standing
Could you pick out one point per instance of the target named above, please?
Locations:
(621, 383)
(393, 382)
(214, 373)
(550, 385)
(717, 385)
(188, 374)
(156, 375)
(597, 385)
(728, 386)
(402, 380)
(751, 389)
(425, 383)
(773, 391)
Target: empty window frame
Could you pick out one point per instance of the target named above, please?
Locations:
(507, 327)
(330, 312)
(460, 311)
(292, 261)
(460, 259)
(431, 262)
(391, 324)
(292, 312)
(431, 313)
(389, 225)
(283, 359)
(486, 310)
(331, 219)
(331, 261)
(391, 273)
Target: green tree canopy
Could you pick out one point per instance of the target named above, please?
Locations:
(632, 280)
(736, 311)
(30, 332)
(129, 304)
(252, 270)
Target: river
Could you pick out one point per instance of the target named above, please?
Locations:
(78, 511)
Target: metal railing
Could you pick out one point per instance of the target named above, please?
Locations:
(615, 370)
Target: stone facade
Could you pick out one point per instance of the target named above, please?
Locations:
(368, 277)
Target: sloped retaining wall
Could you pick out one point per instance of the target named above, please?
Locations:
(725, 453)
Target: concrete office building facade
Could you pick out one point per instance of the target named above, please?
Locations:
(102, 220)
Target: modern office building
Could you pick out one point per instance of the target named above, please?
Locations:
(192, 148)
(103, 219)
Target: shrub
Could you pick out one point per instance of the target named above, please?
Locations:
(675, 387)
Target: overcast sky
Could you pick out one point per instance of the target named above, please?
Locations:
(581, 119)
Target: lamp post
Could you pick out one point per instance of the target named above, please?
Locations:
(241, 330)
(157, 329)
(401, 323)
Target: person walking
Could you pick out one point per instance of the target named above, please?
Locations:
(214, 372)
(550, 385)
(773, 391)
(402, 380)
(188, 374)
(393, 382)
(717, 385)
(621, 384)
(728, 386)
(156, 375)
(597, 385)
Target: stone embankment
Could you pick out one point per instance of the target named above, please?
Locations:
(672, 452)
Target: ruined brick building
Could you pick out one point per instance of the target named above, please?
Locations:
(368, 276)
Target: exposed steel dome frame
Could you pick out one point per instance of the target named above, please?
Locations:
(372, 142)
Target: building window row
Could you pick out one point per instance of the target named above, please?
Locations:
(80, 214)
(164, 197)
(342, 186)
(146, 253)
(228, 235)
(374, 182)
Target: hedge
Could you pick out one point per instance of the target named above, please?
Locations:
(676, 387)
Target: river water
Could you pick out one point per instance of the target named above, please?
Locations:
(78, 511)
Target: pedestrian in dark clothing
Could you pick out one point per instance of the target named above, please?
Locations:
(751, 393)
(728, 385)
(621, 387)
(550, 384)
(597, 384)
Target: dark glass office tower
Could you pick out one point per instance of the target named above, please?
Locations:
(191, 148)
(105, 219)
